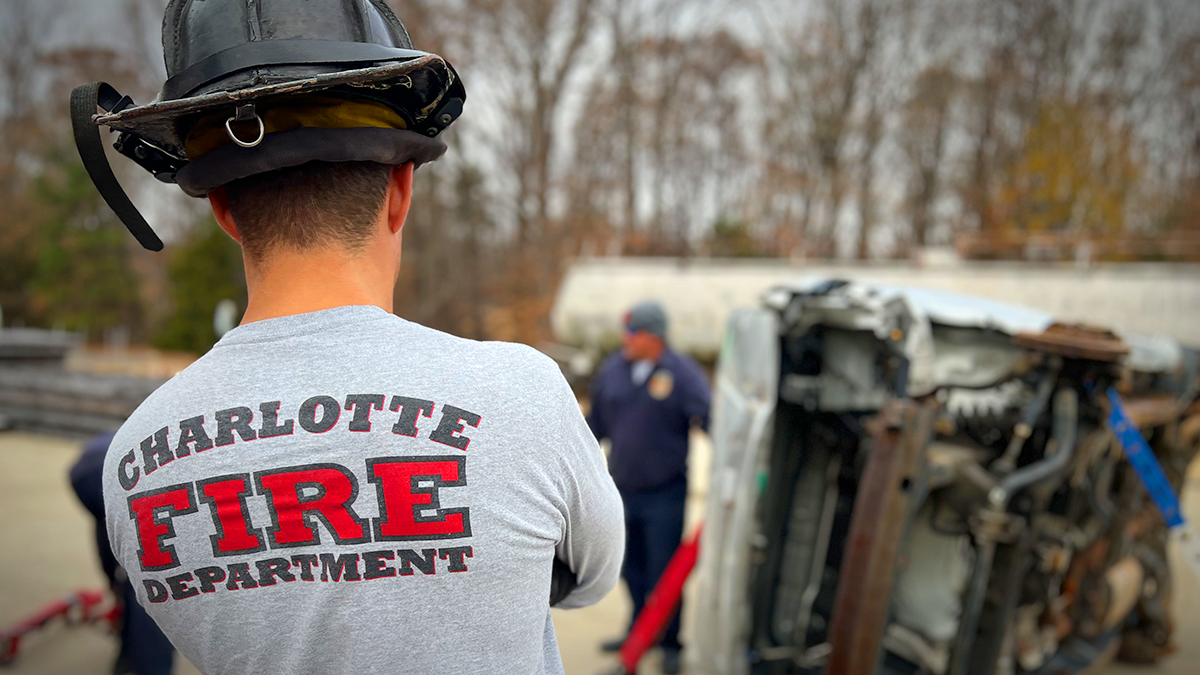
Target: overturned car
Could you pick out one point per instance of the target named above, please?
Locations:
(906, 481)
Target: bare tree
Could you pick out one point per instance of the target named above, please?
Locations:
(927, 124)
(822, 68)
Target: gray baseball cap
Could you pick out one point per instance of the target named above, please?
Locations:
(648, 316)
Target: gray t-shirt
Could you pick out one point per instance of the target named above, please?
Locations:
(345, 491)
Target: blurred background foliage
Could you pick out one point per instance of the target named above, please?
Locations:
(205, 269)
(82, 278)
(826, 129)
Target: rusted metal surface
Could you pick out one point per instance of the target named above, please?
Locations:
(881, 513)
(1152, 411)
(1189, 430)
(1056, 546)
(1075, 341)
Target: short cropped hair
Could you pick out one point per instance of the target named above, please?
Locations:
(314, 205)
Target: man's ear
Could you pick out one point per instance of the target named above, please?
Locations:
(220, 206)
(399, 197)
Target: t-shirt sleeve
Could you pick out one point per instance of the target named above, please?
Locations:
(116, 499)
(593, 542)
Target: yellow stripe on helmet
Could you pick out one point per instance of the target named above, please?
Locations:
(286, 114)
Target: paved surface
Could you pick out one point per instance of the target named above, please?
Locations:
(46, 550)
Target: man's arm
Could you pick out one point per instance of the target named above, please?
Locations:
(593, 542)
(596, 420)
(697, 398)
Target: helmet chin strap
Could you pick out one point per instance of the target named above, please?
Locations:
(84, 101)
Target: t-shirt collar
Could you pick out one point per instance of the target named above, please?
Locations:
(301, 324)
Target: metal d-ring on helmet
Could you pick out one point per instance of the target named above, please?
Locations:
(262, 131)
(259, 85)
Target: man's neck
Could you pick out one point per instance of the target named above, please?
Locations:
(292, 282)
(656, 355)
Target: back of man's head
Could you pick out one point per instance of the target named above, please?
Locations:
(332, 205)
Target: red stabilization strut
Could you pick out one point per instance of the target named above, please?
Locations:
(661, 605)
(79, 607)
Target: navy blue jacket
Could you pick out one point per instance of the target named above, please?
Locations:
(648, 424)
(86, 476)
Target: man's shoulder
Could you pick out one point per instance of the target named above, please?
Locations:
(148, 413)
(510, 370)
(503, 368)
(612, 362)
(685, 366)
(492, 354)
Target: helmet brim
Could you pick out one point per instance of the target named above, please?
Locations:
(160, 122)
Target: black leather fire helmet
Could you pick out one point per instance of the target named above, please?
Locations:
(258, 85)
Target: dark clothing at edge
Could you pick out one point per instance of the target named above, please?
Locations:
(648, 431)
(144, 649)
(653, 529)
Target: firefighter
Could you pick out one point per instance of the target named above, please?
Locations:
(645, 399)
(333, 489)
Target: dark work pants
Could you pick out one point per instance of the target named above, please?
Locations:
(144, 648)
(142, 641)
(653, 530)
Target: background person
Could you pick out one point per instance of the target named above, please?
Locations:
(645, 399)
(143, 650)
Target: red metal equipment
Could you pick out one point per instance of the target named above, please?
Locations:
(81, 607)
(661, 604)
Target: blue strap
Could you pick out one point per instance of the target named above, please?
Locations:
(1142, 458)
